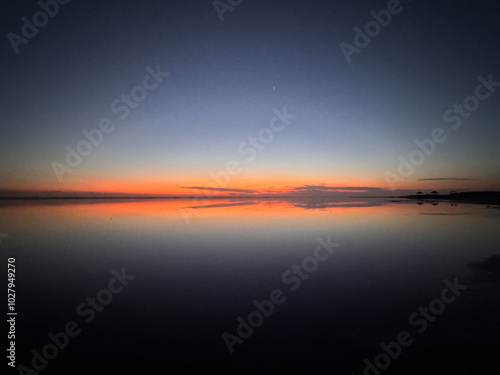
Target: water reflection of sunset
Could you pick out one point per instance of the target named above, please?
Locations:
(72, 215)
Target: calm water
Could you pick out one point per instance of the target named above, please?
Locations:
(194, 279)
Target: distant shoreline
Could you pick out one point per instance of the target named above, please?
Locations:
(479, 197)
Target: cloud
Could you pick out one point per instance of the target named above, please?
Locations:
(445, 214)
(335, 189)
(447, 179)
(304, 190)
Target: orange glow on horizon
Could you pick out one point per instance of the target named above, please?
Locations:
(263, 184)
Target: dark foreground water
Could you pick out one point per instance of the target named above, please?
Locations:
(151, 287)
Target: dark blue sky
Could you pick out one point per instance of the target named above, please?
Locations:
(353, 120)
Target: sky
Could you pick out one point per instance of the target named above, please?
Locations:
(257, 97)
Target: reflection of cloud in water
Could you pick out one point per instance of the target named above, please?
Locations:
(309, 203)
(232, 204)
(318, 203)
